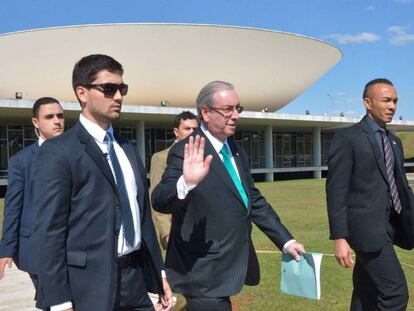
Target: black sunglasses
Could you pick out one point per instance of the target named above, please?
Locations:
(109, 89)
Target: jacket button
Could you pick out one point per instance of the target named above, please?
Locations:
(118, 206)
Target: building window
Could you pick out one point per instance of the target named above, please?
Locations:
(292, 149)
(253, 144)
(325, 141)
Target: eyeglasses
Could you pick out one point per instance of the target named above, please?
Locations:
(228, 110)
(109, 89)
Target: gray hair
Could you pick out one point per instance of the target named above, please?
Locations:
(206, 95)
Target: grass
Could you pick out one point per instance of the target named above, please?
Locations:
(407, 139)
(302, 208)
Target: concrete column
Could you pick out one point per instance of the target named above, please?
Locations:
(141, 139)
(316, 132)
(268, 151)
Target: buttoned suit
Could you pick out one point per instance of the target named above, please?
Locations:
(211, 253)
(358, 197)
(17, 239)
(78, 223)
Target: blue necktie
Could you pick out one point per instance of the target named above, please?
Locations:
(390, 172)
(233, 174)
(127, 220)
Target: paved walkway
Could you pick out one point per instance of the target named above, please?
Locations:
(16, 291)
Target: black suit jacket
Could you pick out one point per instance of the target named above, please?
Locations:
(358, 189)
(78, 222)
(210, 253)
(17, 239)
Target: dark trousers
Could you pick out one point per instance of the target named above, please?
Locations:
(132, 293)
(379, 281)
(208, 304)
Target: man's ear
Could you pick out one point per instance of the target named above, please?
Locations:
(81, 94)
(204, 113)
(367, 103)
(35, 122)
(175, 130)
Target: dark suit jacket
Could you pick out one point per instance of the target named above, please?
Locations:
(18, 213)
(210, 253)
(357, 190)
(78, 222)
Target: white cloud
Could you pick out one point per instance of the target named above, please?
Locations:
(337, 94)
(370, 8)
(399, 35)
(402, 1)
(353, 100)
(357, 38)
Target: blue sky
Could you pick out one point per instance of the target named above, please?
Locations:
(376, 37)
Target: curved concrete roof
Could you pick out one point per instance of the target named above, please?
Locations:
(169, 62)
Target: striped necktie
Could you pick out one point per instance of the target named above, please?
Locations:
(233, 174)
(127, 220)
(390, 172)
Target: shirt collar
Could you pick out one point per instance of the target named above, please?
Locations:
(217, 144)
(41, 141)
(97, 132)
(374, 125)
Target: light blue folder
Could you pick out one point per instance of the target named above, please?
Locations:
(301, 278)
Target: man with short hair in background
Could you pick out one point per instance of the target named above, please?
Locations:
(17, 242)
(184, 124)
(370, 204)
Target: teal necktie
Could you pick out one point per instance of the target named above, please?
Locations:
(233, 174)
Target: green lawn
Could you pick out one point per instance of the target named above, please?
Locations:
(301, 205)
(407, 139)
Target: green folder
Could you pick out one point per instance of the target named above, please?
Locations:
(301, 278)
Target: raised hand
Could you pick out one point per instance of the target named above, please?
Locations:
(195, 167)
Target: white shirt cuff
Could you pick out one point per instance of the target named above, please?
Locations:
(163, 274)
(287, 244)
(183, 189)
(62, 306)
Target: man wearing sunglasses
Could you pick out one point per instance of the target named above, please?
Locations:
(99, 249)
(208, 188)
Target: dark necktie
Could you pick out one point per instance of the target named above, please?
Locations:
(233, 174)
(127, 220)
(390, 172)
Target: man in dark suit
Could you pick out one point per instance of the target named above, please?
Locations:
(98, 245)
(213, 201)
(17, 243)
(184, 124)
(370, 204)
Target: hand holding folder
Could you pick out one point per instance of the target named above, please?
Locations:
(301, 278)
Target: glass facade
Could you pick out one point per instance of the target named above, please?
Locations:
(325, 141)
(290, 149)
(13, 138)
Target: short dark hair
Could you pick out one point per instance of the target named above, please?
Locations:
(88, 67)
(185, 115)
(375, 81)
(42, 101)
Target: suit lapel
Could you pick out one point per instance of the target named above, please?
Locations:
(240, 168)
(376, 149)
(92, 149)
(217, 166)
